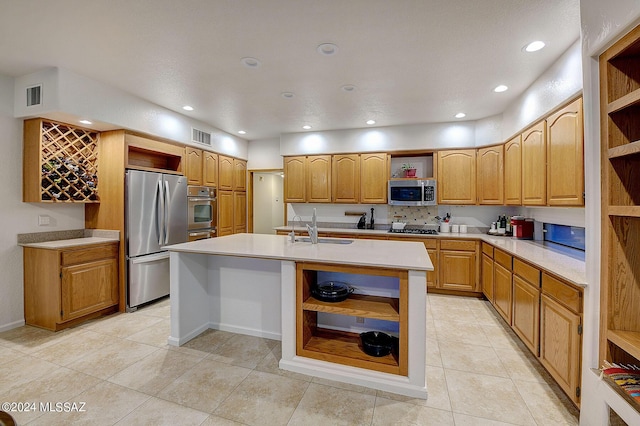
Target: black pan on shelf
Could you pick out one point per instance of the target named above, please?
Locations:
(377, 343)
(331, 291)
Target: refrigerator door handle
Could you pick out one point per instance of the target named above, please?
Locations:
(167, 210)
(149, 258)
(159, 213)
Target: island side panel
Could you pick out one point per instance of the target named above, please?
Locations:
(189, 289)
(417, 330)
(288, 298)
(245, 296)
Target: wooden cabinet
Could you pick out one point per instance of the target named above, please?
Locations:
(239, 212)
(194, 161)
(345, 179)
(487, 272)
(458, 265)
(513, 172)
(490, 175)
(561, 333)
(534, 165)
(318, 179)
(63, 287)
(225, 213)
(210, 169)
(375, 172)
(503, 295)
(457, 177)
(225, 173)
(294, 179)
(315, 340)
(526, 304)
(239, 175)
(565, 156)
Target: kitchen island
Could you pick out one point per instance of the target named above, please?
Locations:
(259, 285)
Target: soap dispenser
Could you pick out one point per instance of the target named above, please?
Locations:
(362, 222)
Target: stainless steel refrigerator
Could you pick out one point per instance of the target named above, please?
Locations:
(156, 215)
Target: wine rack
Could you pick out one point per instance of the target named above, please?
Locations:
(66, 159)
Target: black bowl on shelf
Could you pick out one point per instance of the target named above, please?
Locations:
(331, 291)
(377, 343)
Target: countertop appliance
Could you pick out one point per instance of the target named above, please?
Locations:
(414, 231)
(201, 212)
(156, 215)
(410, 192)
(522, 228)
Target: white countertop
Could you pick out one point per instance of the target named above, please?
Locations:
(62, 244)
(379, 253)
(534, 252)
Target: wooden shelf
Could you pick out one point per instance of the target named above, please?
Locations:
(626, 211)
(629, 341)
(344, 348)
(631, 148)
(625, 101)
(358, 305)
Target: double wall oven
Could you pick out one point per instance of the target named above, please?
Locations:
(202, 212)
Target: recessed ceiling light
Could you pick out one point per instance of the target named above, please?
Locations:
(534, 46)
(242, 132)
(85, 122)
(306, 127)
(287, 95)
(500, 88)
(460, 115)
(348, 87)
(187, 108)
(250, 62)
(370, 122)
(327, 49)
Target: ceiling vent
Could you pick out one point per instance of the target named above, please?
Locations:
(34, 95)
(200, 136)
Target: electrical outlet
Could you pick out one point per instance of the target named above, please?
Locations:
(359, 320)
(44, 220)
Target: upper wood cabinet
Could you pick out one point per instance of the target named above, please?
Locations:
(513, 172)
(534, 166)
(225, 173)
(457, 176)
(239, 175)
(318, 178)
(375, 170)
(565, 156)
(210, 169)
(345, 178)
(294, 179)
(194, 165)
(490, 175)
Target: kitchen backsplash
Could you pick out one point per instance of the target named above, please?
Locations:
(419, 216)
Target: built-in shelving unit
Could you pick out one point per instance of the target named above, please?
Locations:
(318, 341)
(620, 280)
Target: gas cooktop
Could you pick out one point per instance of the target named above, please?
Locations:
(413, 231)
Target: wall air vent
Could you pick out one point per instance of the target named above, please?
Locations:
(34, 95)
(200, 137)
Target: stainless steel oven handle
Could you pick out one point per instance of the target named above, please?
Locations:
(198, 234)
(200, 199)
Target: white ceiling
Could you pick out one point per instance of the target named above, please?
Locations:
(412, 61)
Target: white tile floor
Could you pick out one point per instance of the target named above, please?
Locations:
(478, 373)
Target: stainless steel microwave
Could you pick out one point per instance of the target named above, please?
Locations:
(412, 192)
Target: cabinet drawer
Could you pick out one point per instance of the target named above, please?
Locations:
(89, 253)
(461, 245)
(503, 258)
(430, 243)
(529, 273)
(487, 249)
(569, 296)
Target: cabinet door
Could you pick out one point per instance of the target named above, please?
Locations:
(318, 180)
(489, 176)
(513, 172)
(239, 175)
(502, 291)
(457, 177)
(225, 213)
(89, 287)
(526, 313)
(374, 177)
(487, 277)
(458, 270)
(210, 169)
(560, 344)
(194, 166)
(239, 212)
(294, 179)
(225, 173)
(534, 167)
(346, 178)
(565, 156)
(432, 276)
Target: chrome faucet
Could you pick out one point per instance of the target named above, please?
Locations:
(313, 228)
(292, 234)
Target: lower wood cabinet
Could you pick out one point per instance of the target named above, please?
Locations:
(239, 212)
(502, 283)
(63, 287)
(458, 265)
(526, 304)
(487, 272)
(225, 213)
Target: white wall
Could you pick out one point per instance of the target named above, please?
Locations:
(18, 217)
(264, 154)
